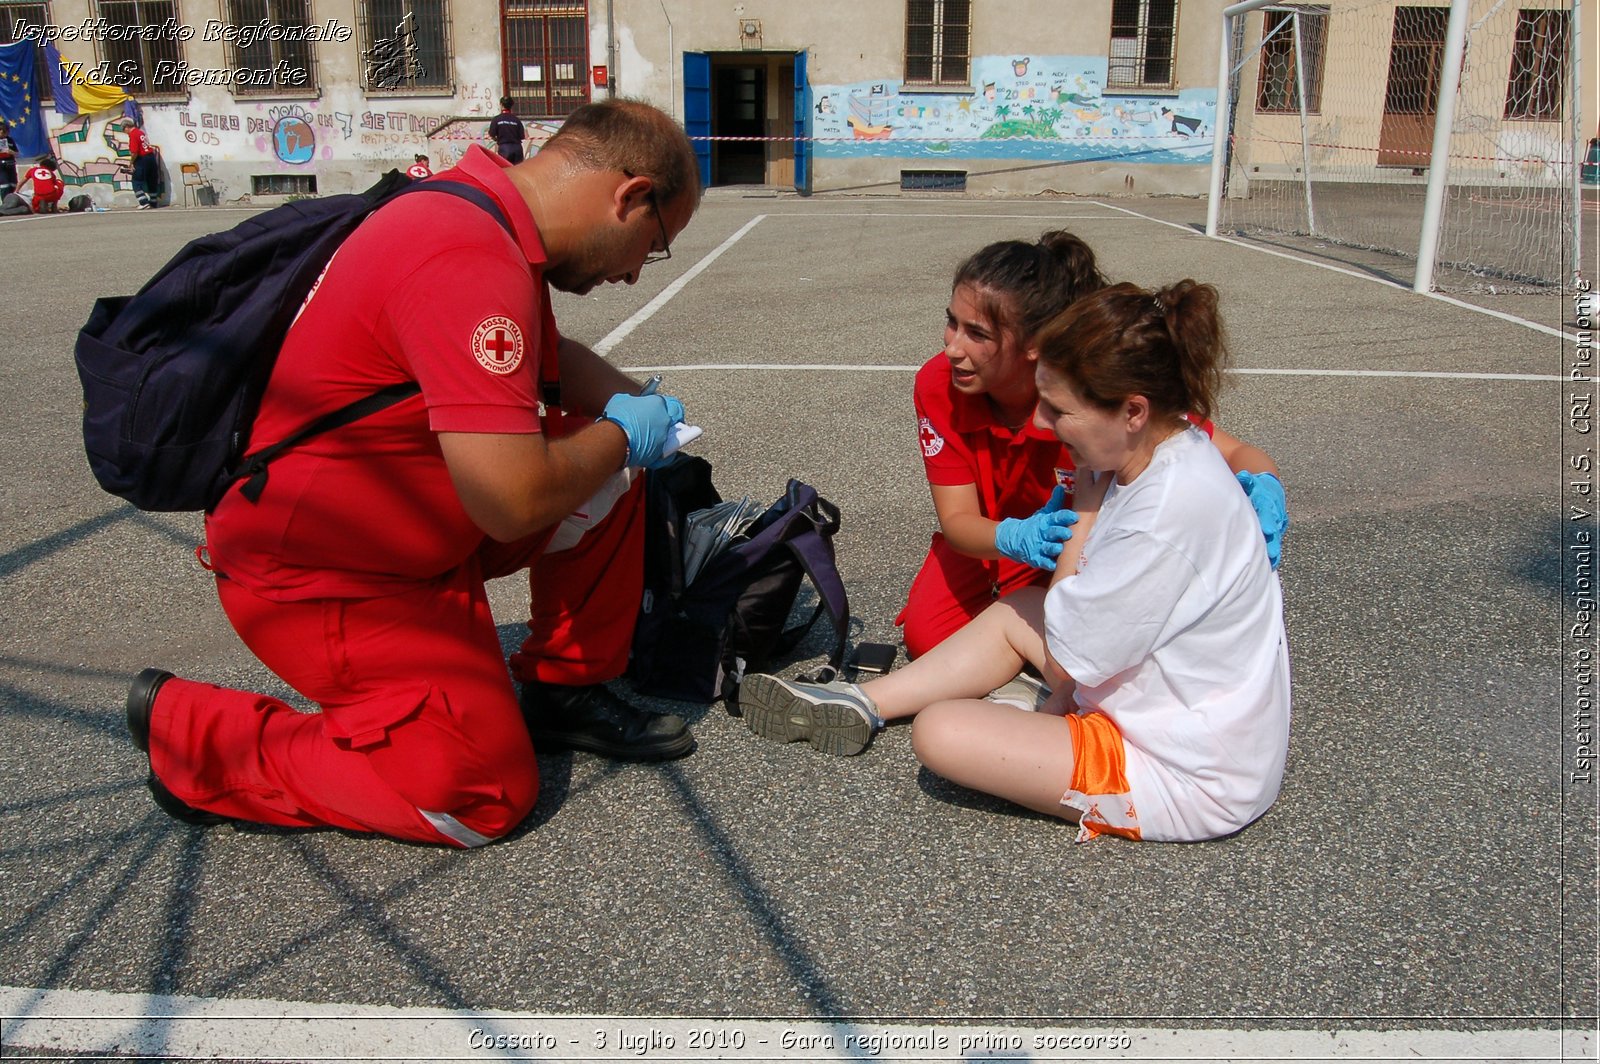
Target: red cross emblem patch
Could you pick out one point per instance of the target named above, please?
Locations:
(497, 344)
(932, 442)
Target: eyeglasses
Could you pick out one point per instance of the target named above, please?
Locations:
(666, 247)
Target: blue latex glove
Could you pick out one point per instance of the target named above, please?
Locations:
(1265, 493)
(1037, 540)
(647, 421)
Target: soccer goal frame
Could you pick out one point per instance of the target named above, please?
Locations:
(1558, 177)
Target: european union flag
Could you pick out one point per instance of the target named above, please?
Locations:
(18, 103)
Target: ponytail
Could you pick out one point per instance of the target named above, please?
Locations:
(1167, 346)
(1195, 330)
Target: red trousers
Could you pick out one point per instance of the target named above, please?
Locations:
(420, 735)
(951, 589)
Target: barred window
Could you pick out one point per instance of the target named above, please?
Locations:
(275, 67)
(1538, 82)
(1144, 36)
(938, 41)
(405, 45)
(546, 55)
(1280, 78)
(13, 16)
(143, 52)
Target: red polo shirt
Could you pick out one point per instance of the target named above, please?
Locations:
(1015, 470)
(430, 289)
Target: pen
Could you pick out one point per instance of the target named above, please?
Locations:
(651, 385)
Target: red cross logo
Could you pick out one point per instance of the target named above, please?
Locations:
(497, 344)
(932, 442)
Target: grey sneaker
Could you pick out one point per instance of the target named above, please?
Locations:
(834, 717)
(1025, 692)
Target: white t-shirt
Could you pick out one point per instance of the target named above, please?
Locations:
(1173, 626)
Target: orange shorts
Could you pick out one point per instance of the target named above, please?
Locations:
(1099, 788)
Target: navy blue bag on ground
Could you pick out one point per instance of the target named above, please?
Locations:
(696, 642)
(173, 376)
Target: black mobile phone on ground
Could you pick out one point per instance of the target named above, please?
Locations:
(874, 657)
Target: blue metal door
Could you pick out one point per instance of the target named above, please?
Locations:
(697, 109)
(802, 126)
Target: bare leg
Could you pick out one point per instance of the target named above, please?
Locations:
(987, 652)
(1023, 757)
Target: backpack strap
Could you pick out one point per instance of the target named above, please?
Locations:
(254, 466)
(813, 551)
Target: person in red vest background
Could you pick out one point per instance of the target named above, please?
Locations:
(47, 185)
(419, 168)
(146, 167)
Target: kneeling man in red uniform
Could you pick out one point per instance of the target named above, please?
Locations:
(358, 575)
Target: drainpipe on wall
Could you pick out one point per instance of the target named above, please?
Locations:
(611, 46)
(672, 66)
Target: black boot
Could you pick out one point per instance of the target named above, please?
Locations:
(141, 701)
(592, 718)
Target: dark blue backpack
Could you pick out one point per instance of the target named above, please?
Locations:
(695, 641)
(173, 376)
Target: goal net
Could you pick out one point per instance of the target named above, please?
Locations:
(1330, 138)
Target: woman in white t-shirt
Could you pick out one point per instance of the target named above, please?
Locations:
(1161, 636)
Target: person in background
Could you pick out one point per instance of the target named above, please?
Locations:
(8, 159)
(419, 167)
(146, 166)
(47, 185)
(505, 129)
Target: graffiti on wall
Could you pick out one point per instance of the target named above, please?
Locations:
(1046, 107)
(94, 153)
(94, 148)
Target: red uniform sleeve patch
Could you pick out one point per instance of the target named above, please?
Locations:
(497, 344)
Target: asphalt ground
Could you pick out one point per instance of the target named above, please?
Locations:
(1430, 867)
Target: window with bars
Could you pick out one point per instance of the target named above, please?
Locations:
(147, 60)
(276, 67)
(14, 15)
(1144, 35)
(938, 42)
(546, 56)
(405, 46)
(1280, 74)
(1538, 82)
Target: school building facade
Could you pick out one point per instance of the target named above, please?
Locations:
(268, 98)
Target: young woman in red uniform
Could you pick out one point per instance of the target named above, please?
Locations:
(1001, 487)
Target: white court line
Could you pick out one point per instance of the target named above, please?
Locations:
(196, 1028)
(896, 215)
(1502, 315)
(620, 333)
(824, 367)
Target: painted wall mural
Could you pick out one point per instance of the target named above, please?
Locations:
(1020, 107)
